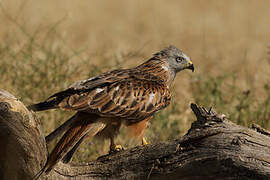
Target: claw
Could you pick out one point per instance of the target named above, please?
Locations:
(116, 148)
(144, 142)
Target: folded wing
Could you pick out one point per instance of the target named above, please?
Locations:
(132, 99)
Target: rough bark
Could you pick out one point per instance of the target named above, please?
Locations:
(213, 148)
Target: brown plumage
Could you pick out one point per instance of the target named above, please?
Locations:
(104, 102)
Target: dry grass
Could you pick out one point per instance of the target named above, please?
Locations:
(47, 45)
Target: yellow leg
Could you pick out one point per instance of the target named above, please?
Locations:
(144, 142)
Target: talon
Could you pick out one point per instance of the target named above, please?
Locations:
(144, 142)
(116, 148)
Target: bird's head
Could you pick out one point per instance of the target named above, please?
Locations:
(175, 59)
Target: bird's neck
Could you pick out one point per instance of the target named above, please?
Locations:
(159, 70)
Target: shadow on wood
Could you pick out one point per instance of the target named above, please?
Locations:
(213, 148)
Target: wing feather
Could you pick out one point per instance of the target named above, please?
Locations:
(117, 94)
(132, 100)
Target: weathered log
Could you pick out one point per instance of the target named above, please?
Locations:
(213, 148)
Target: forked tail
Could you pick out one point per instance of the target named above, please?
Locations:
(77, 131)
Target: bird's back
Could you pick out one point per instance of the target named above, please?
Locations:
(133, 94)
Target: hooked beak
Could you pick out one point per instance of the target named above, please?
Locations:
(191, 67)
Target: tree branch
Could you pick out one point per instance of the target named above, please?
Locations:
(213, 148)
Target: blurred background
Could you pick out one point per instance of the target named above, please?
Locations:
(45, 46)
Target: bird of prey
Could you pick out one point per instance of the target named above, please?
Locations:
(122, 96)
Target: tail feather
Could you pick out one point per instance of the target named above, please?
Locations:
(70, 138)
(63, 128)
(37, 176)
(70, 154)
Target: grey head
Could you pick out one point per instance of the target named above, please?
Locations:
(175, 58)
